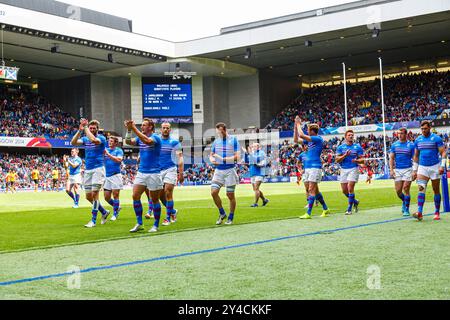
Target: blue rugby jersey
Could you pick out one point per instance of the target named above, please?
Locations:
(168, 156)
(94, 157)
(428, 149)
(149, 155)
(225, 148)
(113, 167)
(403, 152)
(75, 160)
(355, 151)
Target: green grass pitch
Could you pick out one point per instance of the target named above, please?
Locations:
(42, 235)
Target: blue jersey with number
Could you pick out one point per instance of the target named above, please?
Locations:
(429, 149)
(94, 157)
(112, 167)
(254, 159)
(403, 152)
(168, 157)
(225, 148)
(75, 160)
(312, 160)
(355, 152)
(149, 155)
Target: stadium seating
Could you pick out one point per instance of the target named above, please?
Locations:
(407, 98)
(26, 114)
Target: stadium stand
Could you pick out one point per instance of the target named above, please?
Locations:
(407, 98)
(26, 114)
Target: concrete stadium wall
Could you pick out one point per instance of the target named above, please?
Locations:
(110, 101)
(275, 94)
(69, 94)
(215, 101)
(244, 102)
(234, 101)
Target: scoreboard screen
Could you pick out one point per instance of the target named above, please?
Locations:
(166, 97)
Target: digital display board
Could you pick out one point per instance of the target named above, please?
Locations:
(166, 97)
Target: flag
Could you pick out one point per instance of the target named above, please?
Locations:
(11, 73)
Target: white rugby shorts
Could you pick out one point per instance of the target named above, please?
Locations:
(431, 172)
(403, 174)
(227, 178)
(313, 175)
(94, 179)
(169, 176)
(256, 179)
(349, 175)
(75, 179)
(114, 182)
(152, 181)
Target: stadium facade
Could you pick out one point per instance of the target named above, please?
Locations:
(92, 64)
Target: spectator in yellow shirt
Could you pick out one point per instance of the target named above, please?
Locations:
(55, 177)
(35, 178)
(11, 181)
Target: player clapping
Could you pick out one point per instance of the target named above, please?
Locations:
(312, 164)
(349, 155)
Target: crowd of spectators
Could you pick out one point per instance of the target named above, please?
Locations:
(407, 98)
(286, 163)
(26, 114)
(283, 163)
(24, 164)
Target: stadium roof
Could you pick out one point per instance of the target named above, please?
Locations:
(414, 31)
(415, 40)
(64, 10)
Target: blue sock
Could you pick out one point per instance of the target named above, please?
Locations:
(169, 207)
(311, 200)
(222, 211)
(116, 205)
(101, 209)
(150, 206)
(420, 201)
(407, 201)
(94, 211)
(437, 203)
(77, 198)
(137, 205)
(111, 202)
(319, 198)
(70, 194)
(351, 200)
(157, 213)
(231, 216)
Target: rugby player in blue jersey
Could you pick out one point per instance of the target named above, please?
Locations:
(312, 164)
(349, 155)
(74, 163)
(429, 163)
(257, 160)
(94, 174)
(400, 165)
(149, 172)
(114, 181)
(172, 168)
(225, 152)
